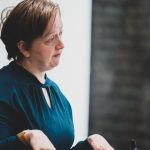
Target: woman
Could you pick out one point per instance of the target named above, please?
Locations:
(34, 113)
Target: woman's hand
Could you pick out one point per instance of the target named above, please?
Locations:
(99, 143)
(37, 140)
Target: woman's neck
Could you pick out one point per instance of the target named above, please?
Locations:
(33, 70)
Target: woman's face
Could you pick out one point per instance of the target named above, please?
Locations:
(45, 51)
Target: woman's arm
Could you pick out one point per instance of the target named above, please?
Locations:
(28, 139)
(8, 141)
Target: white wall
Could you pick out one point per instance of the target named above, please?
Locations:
(72, 75)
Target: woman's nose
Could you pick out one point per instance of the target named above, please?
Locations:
(60, 44)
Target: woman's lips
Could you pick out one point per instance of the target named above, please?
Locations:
(57, 55)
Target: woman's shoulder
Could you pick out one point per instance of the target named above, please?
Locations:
(6, 75)
(7, 80)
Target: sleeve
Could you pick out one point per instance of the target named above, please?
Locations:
(8, 141)
(82, 145)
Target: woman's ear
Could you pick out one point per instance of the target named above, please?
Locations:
(23, 48)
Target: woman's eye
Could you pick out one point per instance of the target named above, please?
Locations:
(52, 37)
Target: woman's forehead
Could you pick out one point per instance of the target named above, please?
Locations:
(54, 26)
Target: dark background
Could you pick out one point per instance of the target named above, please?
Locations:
(120, 72)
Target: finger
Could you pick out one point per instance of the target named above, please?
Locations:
(96, 147)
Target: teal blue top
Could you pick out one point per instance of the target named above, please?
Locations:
(23, 106)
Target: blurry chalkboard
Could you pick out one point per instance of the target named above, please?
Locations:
(120, 72)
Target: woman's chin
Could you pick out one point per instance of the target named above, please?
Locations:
(51, 66)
